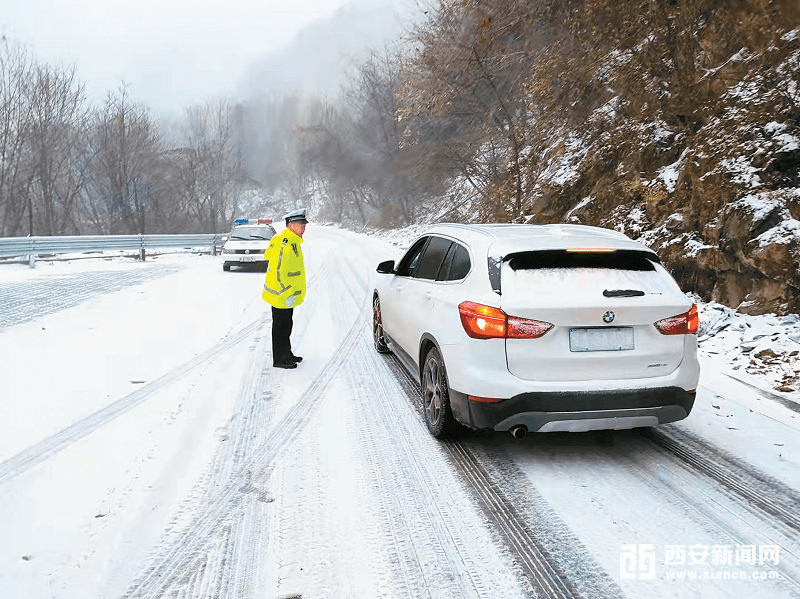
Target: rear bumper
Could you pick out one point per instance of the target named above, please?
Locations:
(576, 411)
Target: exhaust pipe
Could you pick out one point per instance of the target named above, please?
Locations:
(518, 431)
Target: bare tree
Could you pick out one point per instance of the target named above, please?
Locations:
(16, 71)
(58, 121)
(476, 91)
(212, 174)
(126, 148)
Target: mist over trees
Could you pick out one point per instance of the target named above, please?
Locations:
(68, 168)
(482, 113)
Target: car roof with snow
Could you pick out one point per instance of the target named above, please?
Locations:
(505, 238)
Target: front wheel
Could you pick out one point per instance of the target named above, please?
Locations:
(436, 396)
(378, 337)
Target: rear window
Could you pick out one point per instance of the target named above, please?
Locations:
(617, 260)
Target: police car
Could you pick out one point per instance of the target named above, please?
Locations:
(247, 243)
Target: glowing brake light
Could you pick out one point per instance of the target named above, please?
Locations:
(682, 324)
(486, 322)
(590, 250)
(482, 322)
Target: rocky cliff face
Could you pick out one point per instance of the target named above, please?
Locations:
(720, 204)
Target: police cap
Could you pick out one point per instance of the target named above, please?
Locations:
(298, 216)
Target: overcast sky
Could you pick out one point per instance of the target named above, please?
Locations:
(170, 52)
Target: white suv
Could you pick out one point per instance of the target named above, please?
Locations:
(538, 328)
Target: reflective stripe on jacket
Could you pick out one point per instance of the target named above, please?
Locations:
(285, 283)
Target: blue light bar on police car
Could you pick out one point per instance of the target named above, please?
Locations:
(253, 221)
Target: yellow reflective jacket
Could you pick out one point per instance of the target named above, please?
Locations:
(285, 284)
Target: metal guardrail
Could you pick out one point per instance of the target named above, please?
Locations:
(65, 244)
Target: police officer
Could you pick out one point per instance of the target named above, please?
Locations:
(285, 286)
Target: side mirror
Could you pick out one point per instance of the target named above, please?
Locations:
(386, 268)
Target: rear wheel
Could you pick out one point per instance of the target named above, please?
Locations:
(378, 337)
(436, 396)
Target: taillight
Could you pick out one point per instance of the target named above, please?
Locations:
(525, 328)
(482, 322)
(486, 322)
(682, 324)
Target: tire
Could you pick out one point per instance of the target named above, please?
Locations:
(226, 266)
(436, 396)
(378, 337)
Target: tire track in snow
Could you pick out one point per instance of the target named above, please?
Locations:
(252, 412)
(533, 558)
(243, 564)
(732, 522)
(772, 504)
(426, 538)
(44, 449)
(168, 565)
(754, 488)
(230, 569)
(545, 572)
(784, 401)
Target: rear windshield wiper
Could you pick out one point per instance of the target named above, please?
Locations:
(623, 293)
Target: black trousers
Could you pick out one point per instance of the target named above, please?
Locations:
(281, 331)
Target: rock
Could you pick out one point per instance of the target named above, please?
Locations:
(675, 223)
(765, 354)
(741, 223)
(773, 260)
(731, 288)
(767, 296)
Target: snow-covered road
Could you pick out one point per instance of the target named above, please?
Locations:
(148, 449)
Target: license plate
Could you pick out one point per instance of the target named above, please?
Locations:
(601, 339)
(250, 258)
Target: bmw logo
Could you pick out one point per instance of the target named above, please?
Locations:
(608, 316)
